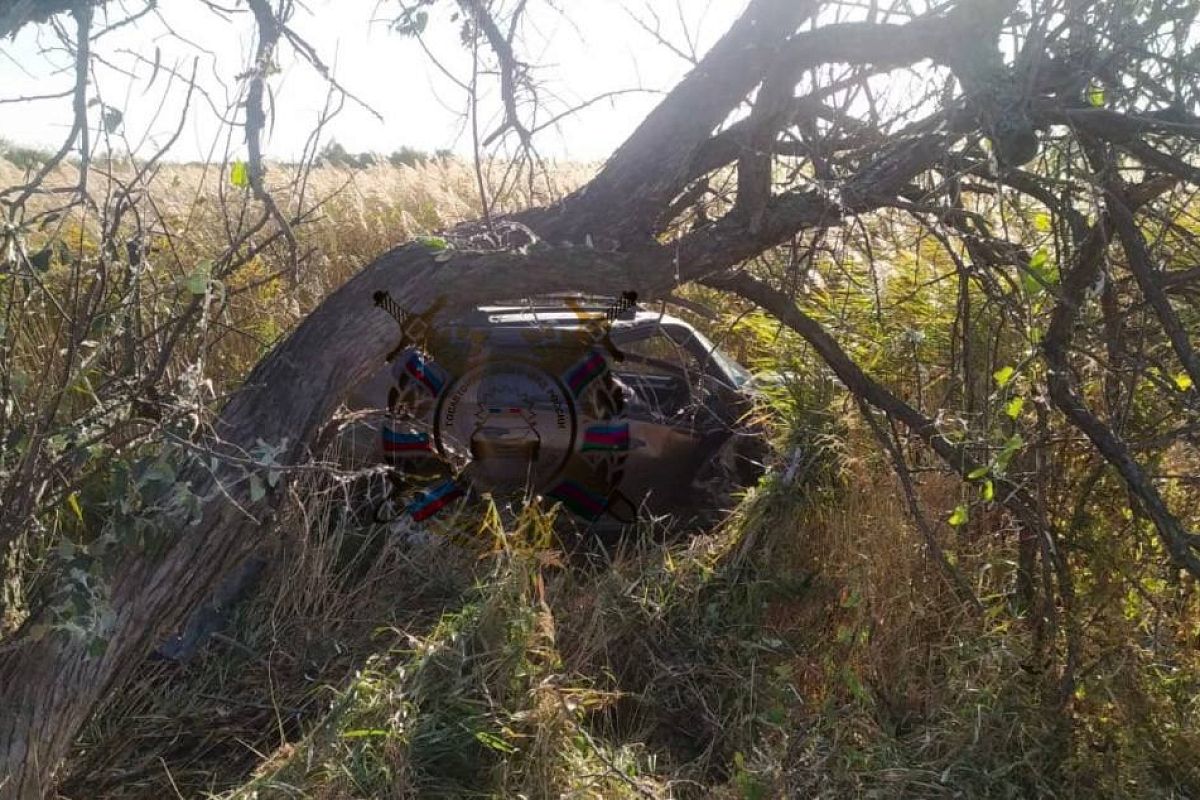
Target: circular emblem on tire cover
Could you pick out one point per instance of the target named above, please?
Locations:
(543, 418)
(515, 421)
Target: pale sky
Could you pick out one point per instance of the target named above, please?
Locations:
(592, 48)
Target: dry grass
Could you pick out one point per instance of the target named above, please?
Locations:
(806, 648)
(339, 589)
(350, 218)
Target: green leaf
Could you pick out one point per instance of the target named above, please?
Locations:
(257, 490)
(197, 282)
(1014, 406)
(434, 243)
(1010, 448)
(774, 716)
(73, 504)
(364, 733)
(1043, 222)
(988, 492)
(494, 742)
(855, 686)
(1003, 375)
(66, 550)
(239, 174)
(1048, 272)
(1095, 95)
(1183, 381)
(1038, 274)
(978, 472)
(959, 517)
(41, 259)
(160, 471)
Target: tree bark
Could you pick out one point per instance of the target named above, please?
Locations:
(653, 165)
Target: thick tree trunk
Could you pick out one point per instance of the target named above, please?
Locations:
(656, 163)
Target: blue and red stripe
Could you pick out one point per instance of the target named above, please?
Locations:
(606, 437)
(397, 442)
(425, 373)
(586, 504)
(434, 500)
(587, 370)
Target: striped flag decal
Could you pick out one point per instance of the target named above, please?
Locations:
(606, 437)
(425, 373)
(587, 370)
(434, 500)
(586, 504)
(397, 442)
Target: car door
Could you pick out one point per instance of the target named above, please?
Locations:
(661, 380)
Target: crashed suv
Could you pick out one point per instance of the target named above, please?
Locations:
(617, 411)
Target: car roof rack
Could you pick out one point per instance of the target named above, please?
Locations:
(561, 304)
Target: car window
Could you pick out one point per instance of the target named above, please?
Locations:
(735, 371)
(660, 375)
(659, 353)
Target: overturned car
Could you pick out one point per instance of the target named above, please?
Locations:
(616, 411)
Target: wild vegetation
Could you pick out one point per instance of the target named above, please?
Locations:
(810, 645)
(963, 236)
